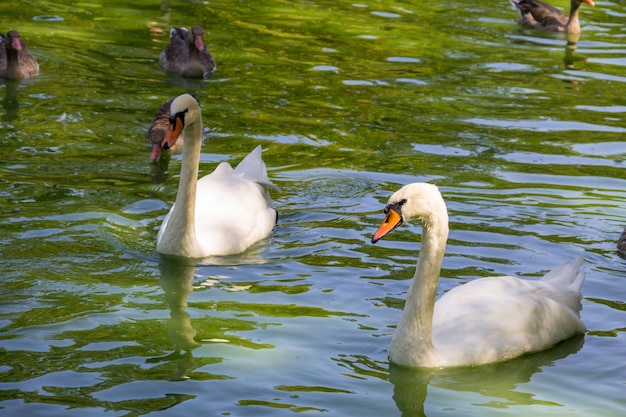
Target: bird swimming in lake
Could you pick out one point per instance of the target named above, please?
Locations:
(224, 212)
(16, 61)
(158, 128)
(187, 55)
(621, 243)
(485, 320)
(538, 15)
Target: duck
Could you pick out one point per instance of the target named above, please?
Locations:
(621, 242)
(187, 55)
(222, 213)
(538, 15)
(484, 321)
(16, 61)
(158, 128)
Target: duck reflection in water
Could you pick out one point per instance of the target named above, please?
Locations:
(569, 59)
(621, 244)
(10, 103)
(16, 63)
(496, 382)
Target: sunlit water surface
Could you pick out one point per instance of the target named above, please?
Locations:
(524, 136)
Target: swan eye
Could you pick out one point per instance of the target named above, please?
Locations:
(180, 115)
(397, 206)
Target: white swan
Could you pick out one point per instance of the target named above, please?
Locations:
(486, 320)
(224, 212)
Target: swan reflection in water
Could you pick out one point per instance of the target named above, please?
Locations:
(176, 281)
(497, 383)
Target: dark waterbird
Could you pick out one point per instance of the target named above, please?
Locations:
(187, 55)
(538, 15)
(158, 128)
(16, 61)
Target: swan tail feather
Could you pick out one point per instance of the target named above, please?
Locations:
(566, 281)
(253, 168)
(568, 275)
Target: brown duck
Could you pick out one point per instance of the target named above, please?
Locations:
(157, 130)
(621, 243)
(538, 15)
(15, 59)
(186, 54)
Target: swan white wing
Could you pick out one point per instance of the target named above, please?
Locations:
(495, 319)
(253, 168)
(232, 212)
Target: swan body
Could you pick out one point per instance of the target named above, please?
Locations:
(158, 128)
(187, 55)
(224, 212)
(538, 15)
(16, 61)
(486, 320)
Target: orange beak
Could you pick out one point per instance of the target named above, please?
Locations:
(392, 220)
(589, 2)
(173, 132)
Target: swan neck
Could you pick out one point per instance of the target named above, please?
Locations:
(182, 218)
(190, 166)
(423, 290)
(414, 335)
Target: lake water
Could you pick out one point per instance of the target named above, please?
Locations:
(350, 101)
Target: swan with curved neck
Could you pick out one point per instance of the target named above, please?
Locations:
(538, 15)
(486, 320)
(224, 212)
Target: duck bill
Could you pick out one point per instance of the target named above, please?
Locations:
(392, 220)
(199, 42)
(589, 2)
(172, 133)
(16, 44)
(156, 152)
